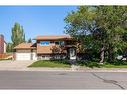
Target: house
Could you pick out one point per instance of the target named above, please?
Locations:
(46, 48)
(2, 44)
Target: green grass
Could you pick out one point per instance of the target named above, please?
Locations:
(92, 64)
(113, 66)
(51, 64)
(116, 64)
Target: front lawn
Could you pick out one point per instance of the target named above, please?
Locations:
(65, 64)
(92, 64)
(113, 66)
(51, 63)
(116, 64)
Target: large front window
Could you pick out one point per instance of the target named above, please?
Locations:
(43, 43)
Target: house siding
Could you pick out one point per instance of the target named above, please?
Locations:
(1, 44)
(51, 56)
(23, 51)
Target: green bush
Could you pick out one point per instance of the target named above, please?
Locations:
(90, 64)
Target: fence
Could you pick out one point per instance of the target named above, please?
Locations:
(5, 56)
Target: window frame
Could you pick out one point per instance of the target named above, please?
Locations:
(44, 43)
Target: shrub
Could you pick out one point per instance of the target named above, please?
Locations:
(90, 64)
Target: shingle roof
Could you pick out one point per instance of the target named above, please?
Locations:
(25, 46)
(59, 37)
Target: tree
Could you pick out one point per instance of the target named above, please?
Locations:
(79, 24)
(103, 24)
(29, 40)
(9, 47)
(18, 35)
(112, 19)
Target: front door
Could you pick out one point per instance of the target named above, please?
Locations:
(72, 53)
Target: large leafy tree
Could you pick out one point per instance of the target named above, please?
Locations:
(100, 28)
(79, 24)
(112, 20)
(18, 35)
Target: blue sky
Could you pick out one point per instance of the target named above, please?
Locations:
(36, 20)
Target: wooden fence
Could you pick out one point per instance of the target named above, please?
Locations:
(5, 56)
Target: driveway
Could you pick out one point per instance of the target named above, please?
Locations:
(14, 65)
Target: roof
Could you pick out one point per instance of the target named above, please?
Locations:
(25, 46)
(5, 42)
(59, 37)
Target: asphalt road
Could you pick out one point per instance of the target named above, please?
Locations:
(62, 80)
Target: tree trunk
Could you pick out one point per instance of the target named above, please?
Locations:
(102, 55)
(110, 55)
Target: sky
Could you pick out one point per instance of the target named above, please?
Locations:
(36, 20)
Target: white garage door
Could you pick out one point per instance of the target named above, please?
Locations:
(23, 56)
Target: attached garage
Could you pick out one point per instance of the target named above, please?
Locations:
(25, 51)
(23, 56)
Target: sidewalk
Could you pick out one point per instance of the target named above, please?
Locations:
(67, 69)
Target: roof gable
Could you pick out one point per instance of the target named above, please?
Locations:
(26, 46)
(60, 37)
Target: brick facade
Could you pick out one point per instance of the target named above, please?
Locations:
(1, 44)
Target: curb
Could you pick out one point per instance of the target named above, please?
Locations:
(68, 69)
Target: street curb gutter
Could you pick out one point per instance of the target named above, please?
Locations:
(67, 69)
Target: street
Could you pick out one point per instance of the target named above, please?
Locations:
(62, 80)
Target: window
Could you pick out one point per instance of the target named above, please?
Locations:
(51, 42)
(72, 52)
(57, 43)
(43, 43)
(61, 42)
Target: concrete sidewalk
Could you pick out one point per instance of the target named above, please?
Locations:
(65, 69)
(79, 70)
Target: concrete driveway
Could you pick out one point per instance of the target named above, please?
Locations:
(14, 65)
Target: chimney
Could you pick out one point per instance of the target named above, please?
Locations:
(1, 44)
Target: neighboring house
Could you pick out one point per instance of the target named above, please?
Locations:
(5, 46)
(46, 48)
(2, 44)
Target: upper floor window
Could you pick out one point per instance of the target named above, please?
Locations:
(59, 42)
(51, 42)
(43, 43)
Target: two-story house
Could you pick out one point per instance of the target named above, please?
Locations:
(46, 48)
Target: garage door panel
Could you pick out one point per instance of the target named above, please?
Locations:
(23, 56)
